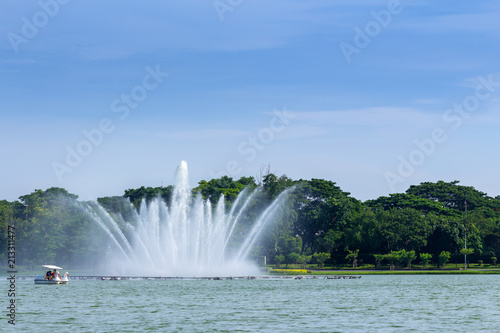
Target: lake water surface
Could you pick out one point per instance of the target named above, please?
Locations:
(420, 303)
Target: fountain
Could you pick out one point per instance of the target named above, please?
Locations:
(186, 238)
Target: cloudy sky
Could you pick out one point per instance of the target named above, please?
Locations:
(98, 97)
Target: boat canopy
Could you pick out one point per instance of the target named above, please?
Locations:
(51, 267)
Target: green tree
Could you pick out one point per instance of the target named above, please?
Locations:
(489, 233)
(279, 259)
(353, 256)
(7, 218)
(224, 186)
(322, 206)
(52, 227)
(329, 241)
(290, 247)
(292, 258)
(445, 235)
(360, 231)
(403, 229)
(288, 244)
(321, 257)
(393, 258)
(304, 260)
(407, 257)
(466, 252)
(41, 235)
(426, 258)
(405, 200)
(378, 259)
(453, 196)
(443, 258)
(274, 185)
(143, 193)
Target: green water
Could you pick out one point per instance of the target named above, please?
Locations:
(444, 303)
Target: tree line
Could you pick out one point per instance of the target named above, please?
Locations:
(318, 223)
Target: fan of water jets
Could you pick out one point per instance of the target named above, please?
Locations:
(187, 238)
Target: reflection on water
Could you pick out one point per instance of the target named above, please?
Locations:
(373, 303)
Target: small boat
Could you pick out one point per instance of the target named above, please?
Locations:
(52, 276)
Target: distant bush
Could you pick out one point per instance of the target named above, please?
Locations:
(443, 258)
(426, 258)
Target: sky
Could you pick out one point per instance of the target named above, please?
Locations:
(99, 97)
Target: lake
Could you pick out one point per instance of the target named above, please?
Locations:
(390, 303)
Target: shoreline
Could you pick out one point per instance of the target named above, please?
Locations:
(405, 272)
(310, 272)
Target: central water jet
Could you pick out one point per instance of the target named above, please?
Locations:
(188, 237)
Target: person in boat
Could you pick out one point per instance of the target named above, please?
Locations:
(48, 276)
(54, 274)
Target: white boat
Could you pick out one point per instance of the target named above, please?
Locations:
(53, 277)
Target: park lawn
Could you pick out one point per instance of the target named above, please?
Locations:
(384, 270)
(404, 272)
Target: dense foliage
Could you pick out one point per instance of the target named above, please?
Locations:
(318, 223)
(51, 227)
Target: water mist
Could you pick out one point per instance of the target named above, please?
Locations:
(189, 237)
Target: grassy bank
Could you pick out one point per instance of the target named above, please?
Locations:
(403, 272)
(370, 270)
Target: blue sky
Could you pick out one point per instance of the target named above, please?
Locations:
(364, 93)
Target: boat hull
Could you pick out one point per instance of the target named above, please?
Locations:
(43, 281)
(50, 282)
